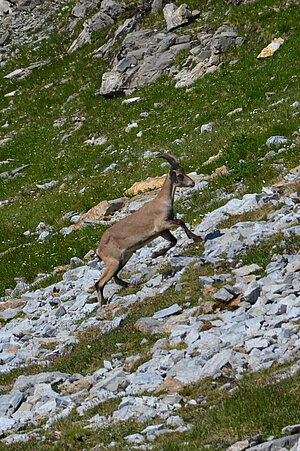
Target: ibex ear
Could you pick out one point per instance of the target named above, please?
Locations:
(172, 175)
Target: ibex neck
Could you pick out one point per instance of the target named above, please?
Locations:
(168, 190)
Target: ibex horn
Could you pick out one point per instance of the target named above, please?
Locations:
(174, 162)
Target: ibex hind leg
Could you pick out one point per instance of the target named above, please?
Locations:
(111, 268)
(117, 279)
(121, 282)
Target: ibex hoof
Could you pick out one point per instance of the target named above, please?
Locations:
(196, 238)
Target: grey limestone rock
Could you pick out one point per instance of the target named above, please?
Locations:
(246, 270)
(81, 9)
(277, 444)
(292, 231)
(207, 127)
(205, 280)
(223, 295)
(143, 382)
(115, 382)
(222, 41)
(292, 429)
(5, 7)
(176, 16)
(10, 403)
(277, 141)
(175, 421)
(135, 438)
(179, 262)
(173, 310)
(252, 292)
(6, 424)
(216, 363)
(187, 370)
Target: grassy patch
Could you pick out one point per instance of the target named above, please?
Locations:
(256, 406)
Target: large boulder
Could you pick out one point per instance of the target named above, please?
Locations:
(5, 7)
(82, 8)
(176, 16)
(222, 41)
(28, 4)
(112, 84)
(110, 10)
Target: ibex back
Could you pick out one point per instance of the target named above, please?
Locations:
(154, 219)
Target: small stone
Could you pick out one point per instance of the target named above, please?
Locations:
(179, 262)
(152, 429)
(207, 127)
(107, 365)
(171, 386)
(66, 231)
(239, 446)
(44, 235)
(97, 141)
(204, 280)
(223, 295)
(135, 438)
(277, 141)
(61, 311)
(252, 293)
(237, 110)
(258, 343)
(77, 386)
(97, 213)
(175, 421)
(176, 16)
(131, 100)
(16, 73)
(47, 185)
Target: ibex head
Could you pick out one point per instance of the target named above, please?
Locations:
(176, 173)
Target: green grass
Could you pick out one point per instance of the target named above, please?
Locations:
(258, 406)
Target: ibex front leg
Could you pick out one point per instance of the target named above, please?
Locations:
(167, 235)
(179, 223)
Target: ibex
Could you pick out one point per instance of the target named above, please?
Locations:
(154, 219)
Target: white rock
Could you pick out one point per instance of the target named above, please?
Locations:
(131, 100)
(277, 141)
(207, 127)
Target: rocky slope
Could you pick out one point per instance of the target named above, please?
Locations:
(238, 318)
(261, 329)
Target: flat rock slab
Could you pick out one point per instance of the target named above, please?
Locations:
(223, 295)
(278, 444)
(216, 363)
(173, 310)
(179, 262)
(149, 184)
(246, 270)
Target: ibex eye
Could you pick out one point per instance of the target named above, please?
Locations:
(180, 176)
